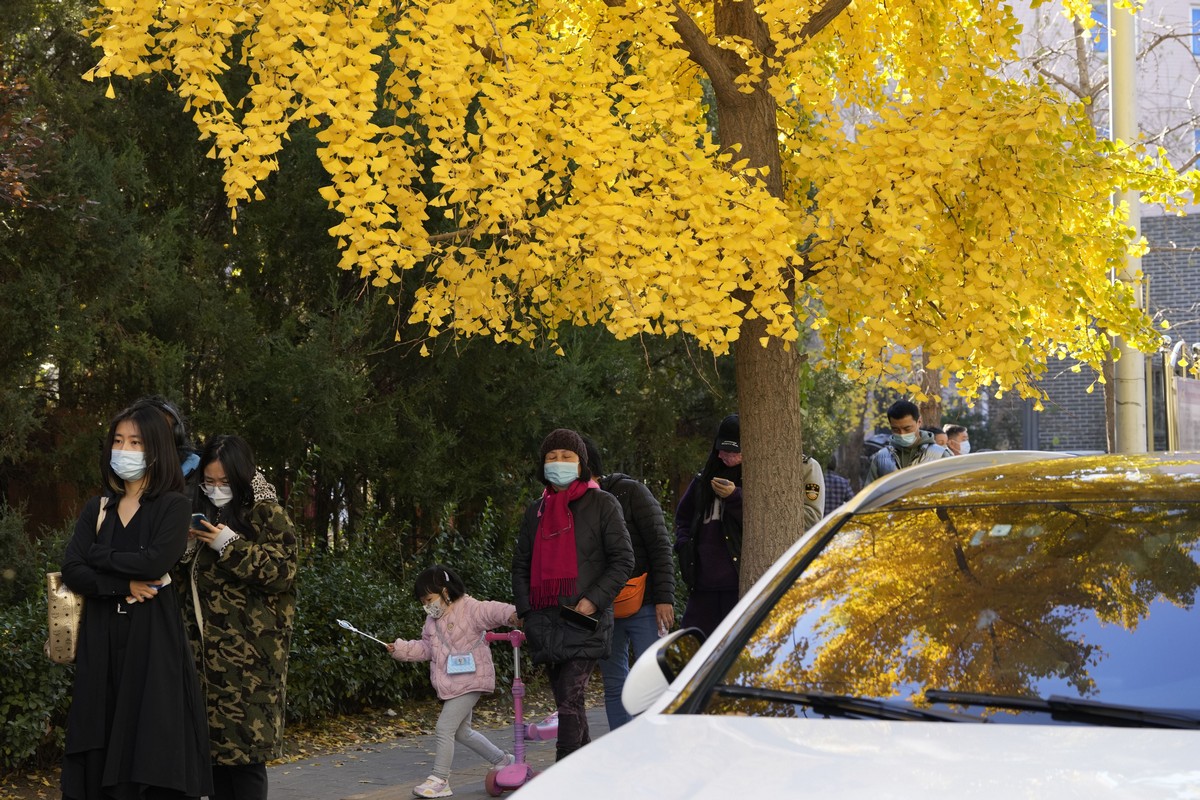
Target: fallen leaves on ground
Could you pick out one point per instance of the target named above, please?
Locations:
(344, 732)
(415, 718)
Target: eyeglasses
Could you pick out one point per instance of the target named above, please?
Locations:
(206, 483)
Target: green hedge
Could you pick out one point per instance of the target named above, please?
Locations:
(34, 693)
(330, 670)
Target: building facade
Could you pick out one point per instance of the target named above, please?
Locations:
(1074, 58)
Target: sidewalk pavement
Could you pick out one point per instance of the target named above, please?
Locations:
(390, 770)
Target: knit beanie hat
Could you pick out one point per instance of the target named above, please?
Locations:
(565, 439)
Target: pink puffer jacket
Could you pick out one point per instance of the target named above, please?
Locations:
(460, 630)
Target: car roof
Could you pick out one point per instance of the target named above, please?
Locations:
(1026, 475)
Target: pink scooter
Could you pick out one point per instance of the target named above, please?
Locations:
(515, 775)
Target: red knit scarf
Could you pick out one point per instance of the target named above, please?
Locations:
(554, 567)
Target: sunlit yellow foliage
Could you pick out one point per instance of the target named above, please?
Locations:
(550, 163)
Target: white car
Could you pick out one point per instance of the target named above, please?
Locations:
(998, 625)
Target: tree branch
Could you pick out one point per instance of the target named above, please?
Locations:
(819, 20)
(1073, 88)
(710, 58)
(701, 51)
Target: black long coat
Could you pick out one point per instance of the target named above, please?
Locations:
(145, 726)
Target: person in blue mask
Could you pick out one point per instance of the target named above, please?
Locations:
(136, 727)
(573, 555)
(908, 445)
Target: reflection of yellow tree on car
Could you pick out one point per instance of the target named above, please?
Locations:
(987, 598)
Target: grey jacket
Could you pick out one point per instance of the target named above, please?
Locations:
(891, 458)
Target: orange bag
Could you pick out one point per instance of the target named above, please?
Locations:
(629, 599)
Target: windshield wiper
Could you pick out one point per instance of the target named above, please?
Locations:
(1073, 710)
(842, 705)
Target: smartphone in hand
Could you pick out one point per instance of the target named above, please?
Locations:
(196, 520)
(579, 618)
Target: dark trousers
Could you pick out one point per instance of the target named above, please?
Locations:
(239, 782)
(569, 680)
(707, 607)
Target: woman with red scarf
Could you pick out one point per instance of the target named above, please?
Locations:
(572, 557)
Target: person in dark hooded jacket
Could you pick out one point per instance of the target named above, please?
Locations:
(653, 564)
(572, 557)
(708, 531)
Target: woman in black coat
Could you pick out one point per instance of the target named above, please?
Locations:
(136, 727)
(572, 557)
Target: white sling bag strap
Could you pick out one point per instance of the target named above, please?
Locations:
(196, 595)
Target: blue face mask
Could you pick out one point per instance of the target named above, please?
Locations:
(561, 473)
(904, 439)
(129, 465)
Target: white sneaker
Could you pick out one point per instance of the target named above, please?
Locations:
(508, 760)
(433, 787)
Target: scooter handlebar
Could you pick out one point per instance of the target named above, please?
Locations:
(513, 637)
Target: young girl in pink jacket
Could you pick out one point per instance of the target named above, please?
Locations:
(460, 666)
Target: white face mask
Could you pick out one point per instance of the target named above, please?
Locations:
(434, 610)
(964, 447)
(129, 465)
(219, 495)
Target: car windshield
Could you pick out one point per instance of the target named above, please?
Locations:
(1082, 600)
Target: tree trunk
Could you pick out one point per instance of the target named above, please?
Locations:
(931, 384)
(769, 404)
(768, 378)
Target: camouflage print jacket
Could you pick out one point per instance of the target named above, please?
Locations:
(247, 604)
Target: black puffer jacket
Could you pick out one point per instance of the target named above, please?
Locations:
(605, 558)
(652, 544)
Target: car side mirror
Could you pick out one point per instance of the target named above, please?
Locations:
(654, 670)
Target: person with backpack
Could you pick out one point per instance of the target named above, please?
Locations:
(909, 444)
(645, 608)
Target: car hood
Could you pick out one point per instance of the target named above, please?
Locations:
(699, 757)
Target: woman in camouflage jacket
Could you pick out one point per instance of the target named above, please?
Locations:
(239, 603)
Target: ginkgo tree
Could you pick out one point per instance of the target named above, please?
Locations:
(541, 163)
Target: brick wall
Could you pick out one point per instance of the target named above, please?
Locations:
(1172, 268)
(1074, 419)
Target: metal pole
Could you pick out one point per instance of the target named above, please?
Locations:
(1130, 377)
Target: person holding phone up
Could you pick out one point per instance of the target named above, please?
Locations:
(708, 531)
(238, 606)
(572, 556)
